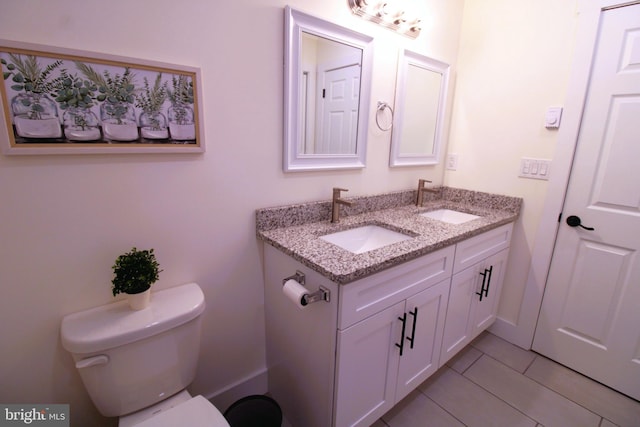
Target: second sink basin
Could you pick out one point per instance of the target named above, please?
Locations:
(365, 238)
(449, 216)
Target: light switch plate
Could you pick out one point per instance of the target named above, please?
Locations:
(535, 168)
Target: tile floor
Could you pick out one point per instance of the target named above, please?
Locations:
(493, 383)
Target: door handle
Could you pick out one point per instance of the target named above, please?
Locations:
(574, 221)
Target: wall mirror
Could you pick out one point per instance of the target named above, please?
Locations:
(421, 97)
(327, 83)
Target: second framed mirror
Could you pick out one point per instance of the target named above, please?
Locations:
(421, 98)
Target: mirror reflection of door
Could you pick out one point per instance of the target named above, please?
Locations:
(338, 107)
(330, 89)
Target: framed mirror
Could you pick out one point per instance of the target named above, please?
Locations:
(327, 82)
(418, 123)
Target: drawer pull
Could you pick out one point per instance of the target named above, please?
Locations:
(403, 319)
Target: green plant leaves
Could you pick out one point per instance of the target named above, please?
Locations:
(135, 271)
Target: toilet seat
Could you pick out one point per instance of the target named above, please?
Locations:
(195, 412)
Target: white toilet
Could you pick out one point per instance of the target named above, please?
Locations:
(136, 365)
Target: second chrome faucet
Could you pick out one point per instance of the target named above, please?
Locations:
(336, 201)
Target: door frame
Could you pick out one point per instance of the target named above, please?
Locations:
(588, 24)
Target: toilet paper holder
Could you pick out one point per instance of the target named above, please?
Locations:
(322, 294)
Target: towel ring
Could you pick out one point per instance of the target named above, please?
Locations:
(381, 107)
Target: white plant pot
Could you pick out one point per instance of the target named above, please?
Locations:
(120, 132)
(182, 132)
(90, 134)
(38, 128)
(139, 301)
(151, 133)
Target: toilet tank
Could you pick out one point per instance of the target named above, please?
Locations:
(128, 359)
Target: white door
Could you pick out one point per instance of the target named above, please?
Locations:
(340, 96)
(590, 315)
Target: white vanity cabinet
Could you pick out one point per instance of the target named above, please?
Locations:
(383, 356)
(373, 346)
(339, 363)
(476, 285)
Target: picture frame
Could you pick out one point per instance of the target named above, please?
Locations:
(64, 101)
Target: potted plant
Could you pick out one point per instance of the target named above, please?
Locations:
(153, 124)
(34, 113)
(76, 97)
(117, 95)
(181, 123)
(135, 272)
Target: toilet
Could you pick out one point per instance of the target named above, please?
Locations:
(136, 365)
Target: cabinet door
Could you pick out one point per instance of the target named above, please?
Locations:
(460, 315)
(426, 312)
(367, 367)
(487, 308)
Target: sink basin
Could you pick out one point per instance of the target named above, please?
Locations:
(365, 238)
(449, 216)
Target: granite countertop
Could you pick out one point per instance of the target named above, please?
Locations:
(295, 229)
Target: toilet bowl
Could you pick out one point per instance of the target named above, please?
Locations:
(178, 410)
(136, 365)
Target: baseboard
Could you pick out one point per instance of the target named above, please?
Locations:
(256, 383)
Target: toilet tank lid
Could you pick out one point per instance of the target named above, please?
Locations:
(116, 324)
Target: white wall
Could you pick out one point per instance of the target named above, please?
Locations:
(66, 218)
(514, 62)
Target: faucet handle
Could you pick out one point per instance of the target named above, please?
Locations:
(422, 181)
(336, 191)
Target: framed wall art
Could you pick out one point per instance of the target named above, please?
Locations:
(62, 101)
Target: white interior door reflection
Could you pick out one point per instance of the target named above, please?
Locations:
(338, 107)
(329, 96)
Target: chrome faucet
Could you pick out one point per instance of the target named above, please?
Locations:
(335, 202)
(422, 190)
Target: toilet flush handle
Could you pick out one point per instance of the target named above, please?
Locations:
(102, 359)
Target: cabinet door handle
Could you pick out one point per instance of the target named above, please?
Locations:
(403, 319)
(414, 313)
(486, 291)
(484, 279)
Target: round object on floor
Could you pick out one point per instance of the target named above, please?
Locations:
(254, 411)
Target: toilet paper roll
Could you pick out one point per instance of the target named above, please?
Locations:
(295, 291)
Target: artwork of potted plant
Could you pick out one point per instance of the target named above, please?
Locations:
(117, 95)
(75, 97)
(34, 113)
(153, 124)
(181, 120)
(135, 272)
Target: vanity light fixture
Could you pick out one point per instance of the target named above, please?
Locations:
(382, 13)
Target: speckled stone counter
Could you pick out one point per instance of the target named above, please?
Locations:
(295, 229)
